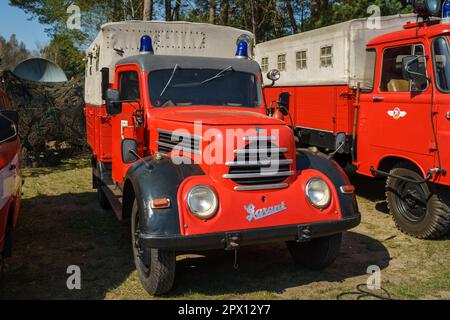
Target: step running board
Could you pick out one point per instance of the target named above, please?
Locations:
(114, 201)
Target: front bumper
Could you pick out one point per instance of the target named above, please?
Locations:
(229, 240)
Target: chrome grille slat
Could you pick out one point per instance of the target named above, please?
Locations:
(261, 151)
(262, 187)
(259, 164)
(258, 175)
(262, 139)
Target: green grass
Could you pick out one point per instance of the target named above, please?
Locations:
(61, 224)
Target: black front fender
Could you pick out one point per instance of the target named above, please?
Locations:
(161, 181)
(307, 159)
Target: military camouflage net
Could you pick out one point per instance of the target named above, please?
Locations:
(52, 123)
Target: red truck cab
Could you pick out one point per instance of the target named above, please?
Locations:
(391, 118)
(10, 176)
(196, 163)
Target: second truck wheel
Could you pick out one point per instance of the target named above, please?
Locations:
(417, 209)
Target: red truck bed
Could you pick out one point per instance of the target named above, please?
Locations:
(327, 109)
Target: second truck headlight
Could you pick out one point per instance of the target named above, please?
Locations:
(203, 202)
(318, 193)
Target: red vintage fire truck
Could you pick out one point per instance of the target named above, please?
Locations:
(183, 147)
(375, 93)
(10, 176)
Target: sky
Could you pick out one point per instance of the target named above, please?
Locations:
(15, 21)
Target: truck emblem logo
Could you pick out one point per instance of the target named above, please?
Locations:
(254, 214)
(397, 113)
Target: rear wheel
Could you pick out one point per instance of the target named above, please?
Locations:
(155, 268)
(317, 254)
(417, 209)
(102, 199)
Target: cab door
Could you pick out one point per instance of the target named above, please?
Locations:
(395, 117)
(441, 62)
(129, 123)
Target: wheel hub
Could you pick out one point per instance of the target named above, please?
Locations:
(412, 202)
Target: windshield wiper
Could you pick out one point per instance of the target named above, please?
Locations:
(219, 75)
(170, 80)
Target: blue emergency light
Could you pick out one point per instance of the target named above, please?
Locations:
(446, 10)
(146, 45)
(242, 50)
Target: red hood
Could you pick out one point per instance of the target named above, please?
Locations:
(216, 116)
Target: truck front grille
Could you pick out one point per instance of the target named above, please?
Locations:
(260, 167)
(171, 140)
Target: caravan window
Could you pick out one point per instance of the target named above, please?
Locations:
(326, 56)
(301, 59)
(265, 64)
(282, 62)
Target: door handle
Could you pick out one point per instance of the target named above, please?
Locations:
(448, 115)
(377, 99)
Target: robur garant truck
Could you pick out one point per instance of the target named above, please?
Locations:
(376, 93)
(10, 176)
(183, 148)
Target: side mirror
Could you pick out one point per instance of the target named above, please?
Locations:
(411, 68)
(283, 102)
(274, 75)
(9, 126)
(113, 103)
(129, 151)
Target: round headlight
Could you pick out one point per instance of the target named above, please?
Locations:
(203, 202)
(318, 193)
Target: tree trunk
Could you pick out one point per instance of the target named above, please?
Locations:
(302, 15)
(315, 11)
(176, 10)
(224, 12)
(168, 7)
(148, 10)
(212, 11)
(117, 10)
(254, 23)
(291, 15)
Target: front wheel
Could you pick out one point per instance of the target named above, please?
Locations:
(318, 254)
(417, 209)
(155, 268)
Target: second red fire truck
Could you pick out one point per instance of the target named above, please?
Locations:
(183, 147)
(376, 93)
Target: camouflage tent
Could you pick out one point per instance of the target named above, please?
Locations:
(52, 125)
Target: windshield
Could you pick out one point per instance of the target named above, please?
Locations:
(441, 60)
(203, 87)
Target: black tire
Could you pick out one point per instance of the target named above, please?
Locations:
(8, 242)
(318, 254)
(7, 251)
(420, 211)
(102, 199)
(157, 274)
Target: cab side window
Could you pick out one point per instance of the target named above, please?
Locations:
(392, 75)
(129, 86)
